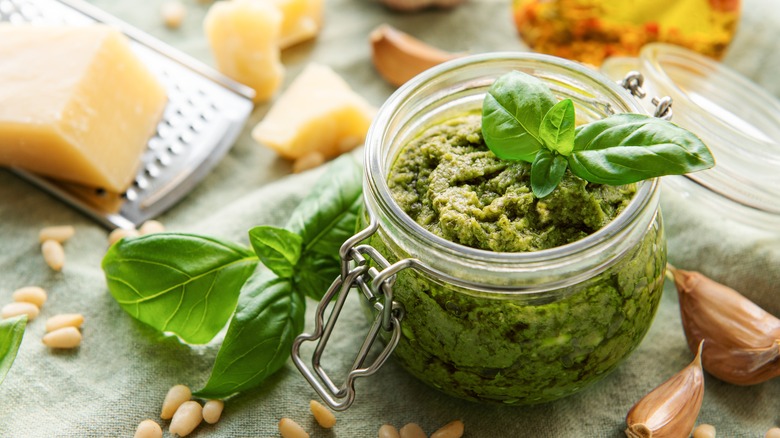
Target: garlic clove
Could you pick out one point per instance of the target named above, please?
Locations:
(398, 56)
(670, 410)
(415, 5)
(741, 338)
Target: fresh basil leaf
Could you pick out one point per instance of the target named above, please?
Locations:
(326, 217)
(557, 129)
(277, 248)
(547, 172)
(315, 273)
(626, 148)
(270, 314)
(512, 113)
(11, 334)
(179, 283)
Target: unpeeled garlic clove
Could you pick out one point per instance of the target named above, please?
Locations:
(415, 5)
(398, 56)
(742, 340)
(670, 410)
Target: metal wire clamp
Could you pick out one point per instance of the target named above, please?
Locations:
(633, 83)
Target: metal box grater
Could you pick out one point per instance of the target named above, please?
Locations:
(205, 113)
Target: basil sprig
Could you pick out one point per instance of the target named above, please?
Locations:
(191, 285)
(522, 121)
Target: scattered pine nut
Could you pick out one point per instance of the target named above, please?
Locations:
(773, 433)
(63, 320)
(308, 161)
(53, 254)
(151, 227)
(187, 418)
(173, 13)
(20, 308)
(388, 431)
(704, 431)
(453, 429)
(66, 337)
(30, 294)
(120, 233)
(212, 410)
(412, 430)
(290, 429)
(59, 233)
(176, 396)
(148, 429)
(323, 415)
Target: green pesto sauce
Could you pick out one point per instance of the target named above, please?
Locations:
(517, 349)
(449, 182)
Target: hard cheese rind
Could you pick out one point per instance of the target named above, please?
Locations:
(75, 104)
(317, 113)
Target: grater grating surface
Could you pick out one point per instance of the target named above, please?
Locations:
(205, 113)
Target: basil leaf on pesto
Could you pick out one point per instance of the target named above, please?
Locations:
(11, 334)
(557, 129)
(270, 314)
(277, 248)
(179, 283)
(547, 172)
(512, 113)
(626, 148)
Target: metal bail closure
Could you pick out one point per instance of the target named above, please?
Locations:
(633, 82)
(377, 286)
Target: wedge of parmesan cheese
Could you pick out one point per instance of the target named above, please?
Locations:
(319, 112)
(244, 39)
(76, 104)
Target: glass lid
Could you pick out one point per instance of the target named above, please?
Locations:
(738, 120)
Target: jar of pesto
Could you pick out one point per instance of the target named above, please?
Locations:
(503, 297)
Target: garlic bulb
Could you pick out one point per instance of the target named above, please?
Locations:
(742, 340)
(414, 5)
(670, 410)
(398, 56)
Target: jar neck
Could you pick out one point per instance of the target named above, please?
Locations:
(458, 86)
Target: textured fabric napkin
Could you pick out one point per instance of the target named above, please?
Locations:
(123, 369)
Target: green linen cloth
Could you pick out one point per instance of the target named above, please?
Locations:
(121, 372)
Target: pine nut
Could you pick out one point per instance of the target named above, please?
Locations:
(187, 418)
(412, 430)
(148, 429)
(120, 233)
(212, 410)
(151, 227)
(388, 431)
(704, 431)
(177, 395)
(66, 337)
(308, 161)
(453, 429)
(20, 308)
(773, 433)
(173, 13)
(323, 415)
(57, 322)
(53, 254)
(30, 294)
(59, 233)
(290, 429)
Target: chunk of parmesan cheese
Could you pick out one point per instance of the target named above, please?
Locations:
(76, 104)
(319, 112)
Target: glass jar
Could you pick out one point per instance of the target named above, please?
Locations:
(513, 328)
(591, 30)
(738, 200)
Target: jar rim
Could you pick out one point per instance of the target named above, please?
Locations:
(375, 178)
